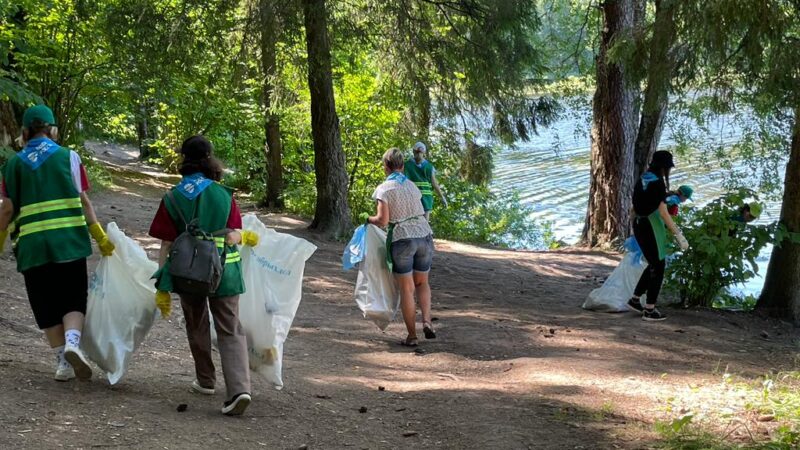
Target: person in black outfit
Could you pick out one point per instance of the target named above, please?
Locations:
(649, 228)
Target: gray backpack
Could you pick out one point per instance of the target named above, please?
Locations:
(195, 264)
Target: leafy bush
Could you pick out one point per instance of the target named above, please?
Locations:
(479, 216)
(723, 251)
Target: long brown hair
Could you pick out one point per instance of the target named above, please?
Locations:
(198, 156)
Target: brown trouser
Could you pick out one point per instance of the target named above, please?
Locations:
(231, 341)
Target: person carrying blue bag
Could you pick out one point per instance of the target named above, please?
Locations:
(409, 242)
(356, 248)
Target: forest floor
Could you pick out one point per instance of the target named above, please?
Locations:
(517, 364)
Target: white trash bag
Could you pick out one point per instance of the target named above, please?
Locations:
(273, 279)
(376, 293)
(618, 288)
(121, 307)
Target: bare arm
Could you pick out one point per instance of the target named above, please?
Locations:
(88, 209)
(664, 213)
(164, 252)
(438, 190)
(382, 218)
(6, 212)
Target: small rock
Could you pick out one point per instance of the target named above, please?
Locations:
(765, 335)
(303, 447)
(420, 351)
(116, 424)
(362, 410)
(381, 388)
(410, 433)
(400, 409)
(322, 396)
(552, 331)
(679, 331)
(182, 407)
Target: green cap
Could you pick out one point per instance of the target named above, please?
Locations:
(686, 191)
(755, 209)
(38, 112)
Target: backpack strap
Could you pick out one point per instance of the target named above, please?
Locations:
(171, 198)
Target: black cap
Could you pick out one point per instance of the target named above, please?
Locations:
(662, 159)
(197, 147)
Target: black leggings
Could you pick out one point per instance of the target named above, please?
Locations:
(653, 275)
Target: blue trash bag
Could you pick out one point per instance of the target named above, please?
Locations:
(355, 249)
(631, 246)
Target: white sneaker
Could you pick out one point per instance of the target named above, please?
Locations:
(200, 389)
(75, 358)
(237, 405)
(64, 373)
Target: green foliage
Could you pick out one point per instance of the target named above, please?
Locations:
(723, 250)
(775, 395)
(479, 216)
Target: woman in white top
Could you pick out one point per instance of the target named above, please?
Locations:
(410, 239)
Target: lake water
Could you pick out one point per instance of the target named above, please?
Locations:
(551, 173)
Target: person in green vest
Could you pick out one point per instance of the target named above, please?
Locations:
(652, 219)
(199, 195)
(423, 174)
(49, 217)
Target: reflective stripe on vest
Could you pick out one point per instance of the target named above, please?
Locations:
(52, 224)
(424, 187)
(231, 257)
(49, 206)
(76, 220)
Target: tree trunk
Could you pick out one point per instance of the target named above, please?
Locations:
(613, 133)
(421, 111)
(332, 213)
(9, 129)
(272, 124)
(781, 294)
(659, 76)
(143, 130)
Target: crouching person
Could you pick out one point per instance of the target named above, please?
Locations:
(44, 200)
(200, 201)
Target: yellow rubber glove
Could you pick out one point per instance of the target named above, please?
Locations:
(164, 303)
(249, 238)
(106, 247)
(3, 235)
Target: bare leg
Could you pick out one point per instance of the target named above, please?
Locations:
(423, 289)
(73, 321)
(55, 336)
(407, 306)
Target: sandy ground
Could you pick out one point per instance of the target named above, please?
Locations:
(517, 363)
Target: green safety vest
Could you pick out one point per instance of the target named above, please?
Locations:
(422, 177)
(48, 225)
(212, 208)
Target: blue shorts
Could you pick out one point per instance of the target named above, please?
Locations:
(412, 254)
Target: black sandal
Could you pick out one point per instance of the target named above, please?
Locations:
(428, 330)
(409, 342)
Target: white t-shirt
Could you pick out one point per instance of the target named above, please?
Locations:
(405, 209)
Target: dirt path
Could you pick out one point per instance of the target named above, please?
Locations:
(518, 364)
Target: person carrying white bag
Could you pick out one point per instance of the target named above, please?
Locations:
(198, 219)
(613, 295)
(120, 310)
(273, 274)
(376, 293)
(409, 242)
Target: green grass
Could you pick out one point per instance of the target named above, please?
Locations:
(774, 395)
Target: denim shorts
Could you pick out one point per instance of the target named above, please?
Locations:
(412, 254)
